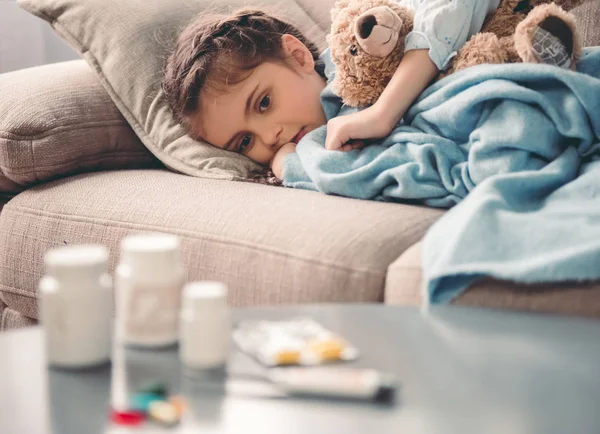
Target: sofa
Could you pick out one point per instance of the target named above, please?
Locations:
(73, 171)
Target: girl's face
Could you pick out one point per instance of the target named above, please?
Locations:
(275, 105)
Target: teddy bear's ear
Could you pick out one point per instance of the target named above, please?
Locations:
(338, 7)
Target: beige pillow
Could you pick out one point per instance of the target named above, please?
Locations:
(57, 120)
(126, 42)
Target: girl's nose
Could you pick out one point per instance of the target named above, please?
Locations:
(270, 135)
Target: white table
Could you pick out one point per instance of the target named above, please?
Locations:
(460, 371)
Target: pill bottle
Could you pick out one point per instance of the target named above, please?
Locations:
(205, 326)
(148, 283)
(75, 306)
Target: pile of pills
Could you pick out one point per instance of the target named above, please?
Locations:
(151, 402)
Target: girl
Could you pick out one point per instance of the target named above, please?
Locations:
(251, 83)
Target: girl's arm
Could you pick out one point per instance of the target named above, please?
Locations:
(415, 72)
(443, 26)
(277, 161)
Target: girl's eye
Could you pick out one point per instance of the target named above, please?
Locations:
(265, 103)
(246, 140)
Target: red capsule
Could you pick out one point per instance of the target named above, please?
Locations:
(127, 418)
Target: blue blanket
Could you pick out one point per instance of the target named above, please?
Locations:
(517, 147)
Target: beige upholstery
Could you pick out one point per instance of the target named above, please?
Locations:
(320, 12)
(65, 124)
(404, 278)
(565, 298)
(588, 22)
(12, 319)
(270, 245)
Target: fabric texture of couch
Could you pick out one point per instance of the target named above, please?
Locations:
(65, 124)
(268, 245)
(74, 166)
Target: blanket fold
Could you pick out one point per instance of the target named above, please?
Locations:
(517, 147)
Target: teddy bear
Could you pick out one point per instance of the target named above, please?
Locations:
(367, 41)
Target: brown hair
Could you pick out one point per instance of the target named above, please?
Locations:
(218, 50)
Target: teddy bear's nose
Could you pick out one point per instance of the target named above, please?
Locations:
(365, 25)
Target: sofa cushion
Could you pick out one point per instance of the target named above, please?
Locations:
(405, 278)
(10, 319)
(57, 120)
(319, 11)
(270, 245)
(127, 42)
(588, 22)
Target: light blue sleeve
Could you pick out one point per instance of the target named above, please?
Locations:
(444, 26)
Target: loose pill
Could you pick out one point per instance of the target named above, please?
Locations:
(141, 401)
(127, 418)
(179, 403)
(327, 349)
(153, 387)
(164, 413)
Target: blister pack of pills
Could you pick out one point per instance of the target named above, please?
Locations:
(298, 341)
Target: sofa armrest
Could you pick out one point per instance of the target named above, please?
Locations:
(405, 278)
(57, 120)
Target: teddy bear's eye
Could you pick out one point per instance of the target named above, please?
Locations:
(353, 50)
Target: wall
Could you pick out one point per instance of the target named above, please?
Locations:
(27, 41)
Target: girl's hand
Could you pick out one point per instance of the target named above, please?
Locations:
(415, 72)
(277, 161)
(350, 132)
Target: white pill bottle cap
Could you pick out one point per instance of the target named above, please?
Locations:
(201, 299)
(151, 254)
(79, 261)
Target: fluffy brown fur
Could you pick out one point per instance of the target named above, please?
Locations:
(506, 37)
(361, 78)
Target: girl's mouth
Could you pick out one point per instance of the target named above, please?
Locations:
(299, 136)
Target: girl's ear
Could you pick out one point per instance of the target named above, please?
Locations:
(298, 53)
